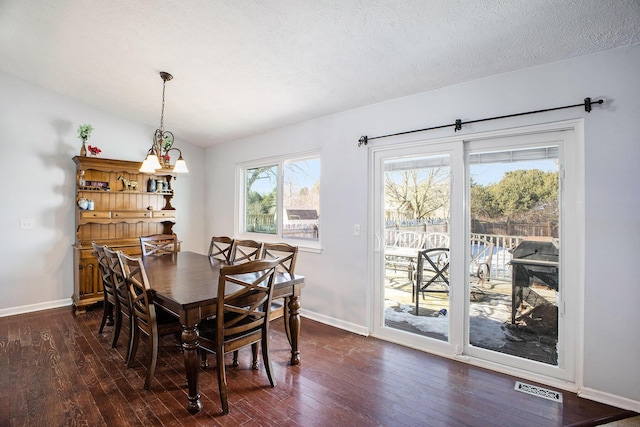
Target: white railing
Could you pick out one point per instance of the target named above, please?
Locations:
(499, 258)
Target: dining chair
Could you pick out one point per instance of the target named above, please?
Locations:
(123, 299)
(110, 301)
(242, 317)
(286, 255)
(147, 318)
(220, 248)
(159, 244)
(245, 251)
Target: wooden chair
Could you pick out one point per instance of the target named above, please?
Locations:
(220, 248)
(286, 256)
(245, 251)
(159, 244)
(110, 301)
(153, 323)
(122, 297)
(242, 317)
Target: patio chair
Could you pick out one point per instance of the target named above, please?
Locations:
(481, 255)
(435, 240)
(404, 240)
(433, 272)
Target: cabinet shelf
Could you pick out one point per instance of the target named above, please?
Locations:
(119, 218)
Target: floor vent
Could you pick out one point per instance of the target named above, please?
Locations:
(539, 391)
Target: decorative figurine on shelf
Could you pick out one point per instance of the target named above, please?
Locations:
(128, 184)
(84, 132)
(94, 150)
(80, 177)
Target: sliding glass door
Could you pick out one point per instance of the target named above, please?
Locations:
(468, 254)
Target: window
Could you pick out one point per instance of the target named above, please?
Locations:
(281, 197)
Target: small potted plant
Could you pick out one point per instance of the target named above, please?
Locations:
(84, 132)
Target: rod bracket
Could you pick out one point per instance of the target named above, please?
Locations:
(458, 125)
(588, 103)
(364, 140)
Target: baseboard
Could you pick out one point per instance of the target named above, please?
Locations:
(331, 321)
(610, 399)
(35, 307)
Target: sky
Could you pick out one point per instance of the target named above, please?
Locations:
(492, 173)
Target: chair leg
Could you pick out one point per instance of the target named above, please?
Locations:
(116, 329)
(203, 357)
(254, 351)
(267, 361)
(133, 345)
(222, 380)
(153, 358)
(132, 329)
(235, 358)
(104, 315)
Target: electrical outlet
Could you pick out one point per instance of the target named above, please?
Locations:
(26, 224)
(356, 230)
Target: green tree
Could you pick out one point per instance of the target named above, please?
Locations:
(521, 190)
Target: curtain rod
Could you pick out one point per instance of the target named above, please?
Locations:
(364, 140)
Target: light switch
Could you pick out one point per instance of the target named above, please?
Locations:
(356, 230)
(26, 224)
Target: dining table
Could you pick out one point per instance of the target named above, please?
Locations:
(186, 285)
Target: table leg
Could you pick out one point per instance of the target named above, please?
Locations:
(294, 328)
(190, 345)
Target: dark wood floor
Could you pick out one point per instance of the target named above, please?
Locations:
(56, 370)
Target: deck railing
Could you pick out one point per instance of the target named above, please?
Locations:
(499, 258)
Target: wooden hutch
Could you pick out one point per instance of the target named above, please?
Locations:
(121, 214)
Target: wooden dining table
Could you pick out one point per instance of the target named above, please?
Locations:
(186, 284)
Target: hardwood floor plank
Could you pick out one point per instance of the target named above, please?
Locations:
(55, 369)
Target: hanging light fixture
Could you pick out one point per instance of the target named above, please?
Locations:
(158, 154)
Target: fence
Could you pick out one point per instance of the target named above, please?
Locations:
(266, 223)
(499, 257)
(514, 228)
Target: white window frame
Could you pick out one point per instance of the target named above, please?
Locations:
(569, 375)
(240, 208)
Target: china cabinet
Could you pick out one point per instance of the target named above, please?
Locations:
(115, 205)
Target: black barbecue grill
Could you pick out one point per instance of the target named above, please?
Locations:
(534, 264)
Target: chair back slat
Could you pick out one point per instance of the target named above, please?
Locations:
(287, 254)
(140, 293)
(244, 251)
(246, 308)
(105, 272)
(159, 244)
(119, 281)
(220, 248)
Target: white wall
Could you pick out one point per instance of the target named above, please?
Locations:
(338, 280)
(38, 138)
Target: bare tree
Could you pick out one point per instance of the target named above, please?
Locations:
(422, 192)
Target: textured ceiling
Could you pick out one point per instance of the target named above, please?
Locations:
(242, 67)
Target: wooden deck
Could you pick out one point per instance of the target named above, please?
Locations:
(56, 370)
